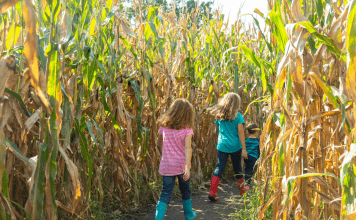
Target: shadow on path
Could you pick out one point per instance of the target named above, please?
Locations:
(229, 202)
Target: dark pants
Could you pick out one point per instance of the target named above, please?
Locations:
(249, 165)
(168, 185)
(236, 163)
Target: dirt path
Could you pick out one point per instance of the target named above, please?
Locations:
(227, 205)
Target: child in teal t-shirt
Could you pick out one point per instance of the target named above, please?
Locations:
(231, 141)
(228, 140)
(253, 151)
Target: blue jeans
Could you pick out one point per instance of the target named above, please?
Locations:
(250, 163)
(236, 164)
(168, 185)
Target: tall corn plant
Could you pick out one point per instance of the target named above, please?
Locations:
(81, 93)
(80, 100)
(306, 165)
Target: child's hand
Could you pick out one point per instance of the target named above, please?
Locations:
(186, 175)
(244, 153)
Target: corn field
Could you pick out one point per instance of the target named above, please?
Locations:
(82, 88)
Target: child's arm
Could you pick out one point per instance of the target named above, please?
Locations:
(240, 130)
(188, 156)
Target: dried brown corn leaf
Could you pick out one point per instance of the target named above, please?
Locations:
(297, 11)
(336, 204)
(74, 174)
(7, 66)
(6, 4)
(126, 26)
(31, 53)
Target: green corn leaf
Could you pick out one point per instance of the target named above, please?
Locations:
(19, 99)
(13, 35)
(277, 6)
(41, 53)
(148, 31)
(146, 135)
(82, 18)
(91, 132)
(140, 108)
(92, 73)
(152, 97)
(312, 44)
(101, 137)
(158, 19)
(263, 36)
(260, 99)
(151, 13)
(328, 41)
(12, 147)
(38, 188)
(327, 89)
(151, 30)
(281, 159)
(236, 79)
(47, 15)
(250, 55)
(319, 8)
(108, 111)
(351, 49)
(85, 153)
(279, 31)
(53, 85)
(258, 62)
(22, 208)
(263, 77)
(54, 6)
(92, 26)
(89, 127)
(128, 45)
(5, 190)
(290, 188)
(110, 15)
(291, 181)
(52, 168)
(348, 182)
(343, 114)
(109, 4)
(67, 119)
(2, 158)
(51, 48)
(103, 98)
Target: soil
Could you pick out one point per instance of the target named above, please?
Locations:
(229, 202)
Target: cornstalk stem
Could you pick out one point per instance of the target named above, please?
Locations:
(305, 7)
(3, 39)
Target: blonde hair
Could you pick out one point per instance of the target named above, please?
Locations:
(227, 108)
(180, 115)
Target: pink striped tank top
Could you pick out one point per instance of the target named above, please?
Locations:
(173, 154)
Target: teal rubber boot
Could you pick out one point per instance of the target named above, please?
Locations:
(160, 211)
(188, 210)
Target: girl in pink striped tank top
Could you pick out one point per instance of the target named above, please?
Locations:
(174, 137)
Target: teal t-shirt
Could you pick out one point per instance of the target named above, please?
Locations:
(228, 140)
(252, 147)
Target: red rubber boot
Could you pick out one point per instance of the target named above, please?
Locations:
(213, 188)
(241, 185)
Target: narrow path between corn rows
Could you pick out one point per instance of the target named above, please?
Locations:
(229, 202)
